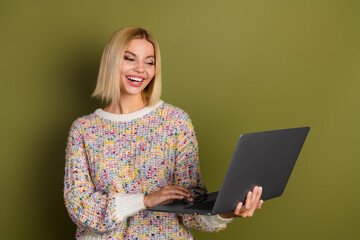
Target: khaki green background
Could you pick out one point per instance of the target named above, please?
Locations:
(234, 66)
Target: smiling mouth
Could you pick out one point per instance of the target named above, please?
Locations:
(135, 79)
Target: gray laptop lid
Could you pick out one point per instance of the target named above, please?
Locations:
(260, 159)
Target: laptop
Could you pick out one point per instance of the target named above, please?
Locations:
(260, 159)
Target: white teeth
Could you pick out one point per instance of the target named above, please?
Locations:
(135, 79)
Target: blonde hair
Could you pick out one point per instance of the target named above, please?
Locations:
(108, 81)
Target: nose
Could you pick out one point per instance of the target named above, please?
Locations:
(140, 68)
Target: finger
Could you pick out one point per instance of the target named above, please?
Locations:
(174, 196)
(253, 197)
(248, 201)
(257, 196)
(260, 192)
(166, 200)
(185, 191)
(173, 190)
(189, 199)
(170, 197)
(256, 199)
(260, 204)
(250, 209)
(238, 209)
(181, 187)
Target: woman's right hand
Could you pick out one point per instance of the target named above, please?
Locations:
(167, 195)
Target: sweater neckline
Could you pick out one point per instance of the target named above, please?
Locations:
(122, 117)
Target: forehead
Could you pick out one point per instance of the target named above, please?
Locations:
(140, 47)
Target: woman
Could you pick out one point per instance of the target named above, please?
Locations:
(136, 153)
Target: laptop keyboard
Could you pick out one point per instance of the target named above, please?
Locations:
(208, 205)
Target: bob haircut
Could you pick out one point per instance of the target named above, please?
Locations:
(108, 81)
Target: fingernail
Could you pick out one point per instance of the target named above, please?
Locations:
(260, 188)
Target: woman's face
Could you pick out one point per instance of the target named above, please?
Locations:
(137, 67)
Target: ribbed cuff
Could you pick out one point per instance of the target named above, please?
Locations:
(215, 220)
(128, 204)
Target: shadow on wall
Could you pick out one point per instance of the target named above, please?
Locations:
(81, 69)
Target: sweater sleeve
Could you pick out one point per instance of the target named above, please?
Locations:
(187, 174)
(86, 206)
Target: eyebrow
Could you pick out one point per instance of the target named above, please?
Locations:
(151, 56)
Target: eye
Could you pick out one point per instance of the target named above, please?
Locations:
(128, 58)
(151, 63)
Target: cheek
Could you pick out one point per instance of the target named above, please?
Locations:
(125, 67)
(152, 73)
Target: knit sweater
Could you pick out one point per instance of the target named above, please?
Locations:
(113, 160)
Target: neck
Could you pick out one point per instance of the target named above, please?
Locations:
(126, 104)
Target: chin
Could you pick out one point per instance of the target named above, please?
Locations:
(132, 92)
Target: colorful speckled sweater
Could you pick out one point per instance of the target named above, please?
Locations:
(113, 160)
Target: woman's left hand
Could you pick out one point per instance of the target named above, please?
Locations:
(252, 203)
